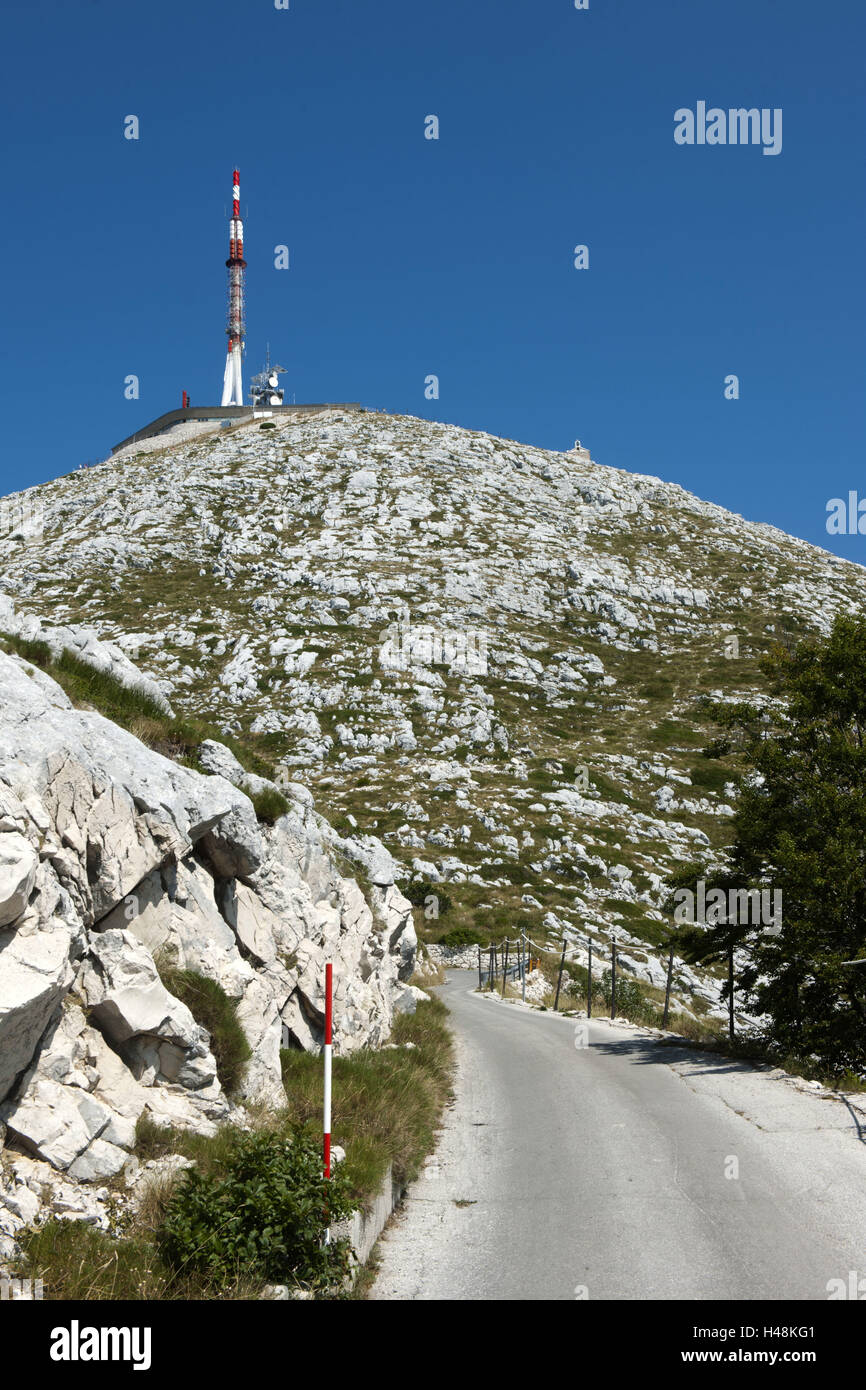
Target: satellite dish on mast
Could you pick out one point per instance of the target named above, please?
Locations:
(265, 388)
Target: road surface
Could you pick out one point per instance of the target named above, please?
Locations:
(624, 1170)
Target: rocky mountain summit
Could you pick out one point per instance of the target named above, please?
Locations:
(474, 668)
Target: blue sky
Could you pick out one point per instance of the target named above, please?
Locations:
(454, 257)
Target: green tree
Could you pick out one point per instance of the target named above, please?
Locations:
(713, 940)
(800, 827)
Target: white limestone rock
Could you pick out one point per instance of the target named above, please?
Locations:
(374, 857)
(36, 970)
(57, 1123)
(18, 864)
(255, 926)
(117, 808)
(155, 1033)
(395, 912)
(234, 845)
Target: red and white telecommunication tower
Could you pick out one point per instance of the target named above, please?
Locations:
(233, 387)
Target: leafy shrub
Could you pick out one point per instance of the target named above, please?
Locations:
(628, 991)
(574, 978)
(265, 1216)
(418, 893)
(211, 1007)
(269, 805)
(630, 1001)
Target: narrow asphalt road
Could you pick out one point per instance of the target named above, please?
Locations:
(623, 1170)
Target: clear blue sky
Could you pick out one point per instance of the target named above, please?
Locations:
(411, 256)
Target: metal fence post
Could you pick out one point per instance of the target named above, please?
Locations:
(668, 986)
(559, 981)
(589, 981)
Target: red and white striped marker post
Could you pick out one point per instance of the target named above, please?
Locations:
(329, 1024)
(329, 1027)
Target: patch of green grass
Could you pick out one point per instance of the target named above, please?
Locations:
(211, 1007)
(710, 776)
(541, 780)
(610, 790)
(269, 805)
(672, 733)
(655, 934)
(75, 1261)
(658, 689)
(85, 685)
(624, 907)
(208, 1152)
(459, 937)
(517, 874)
(386, 1104)
(37, 653)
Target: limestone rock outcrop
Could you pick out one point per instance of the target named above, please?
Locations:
(116, 862)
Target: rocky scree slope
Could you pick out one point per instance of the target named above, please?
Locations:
(483, 657)
(114, 859)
